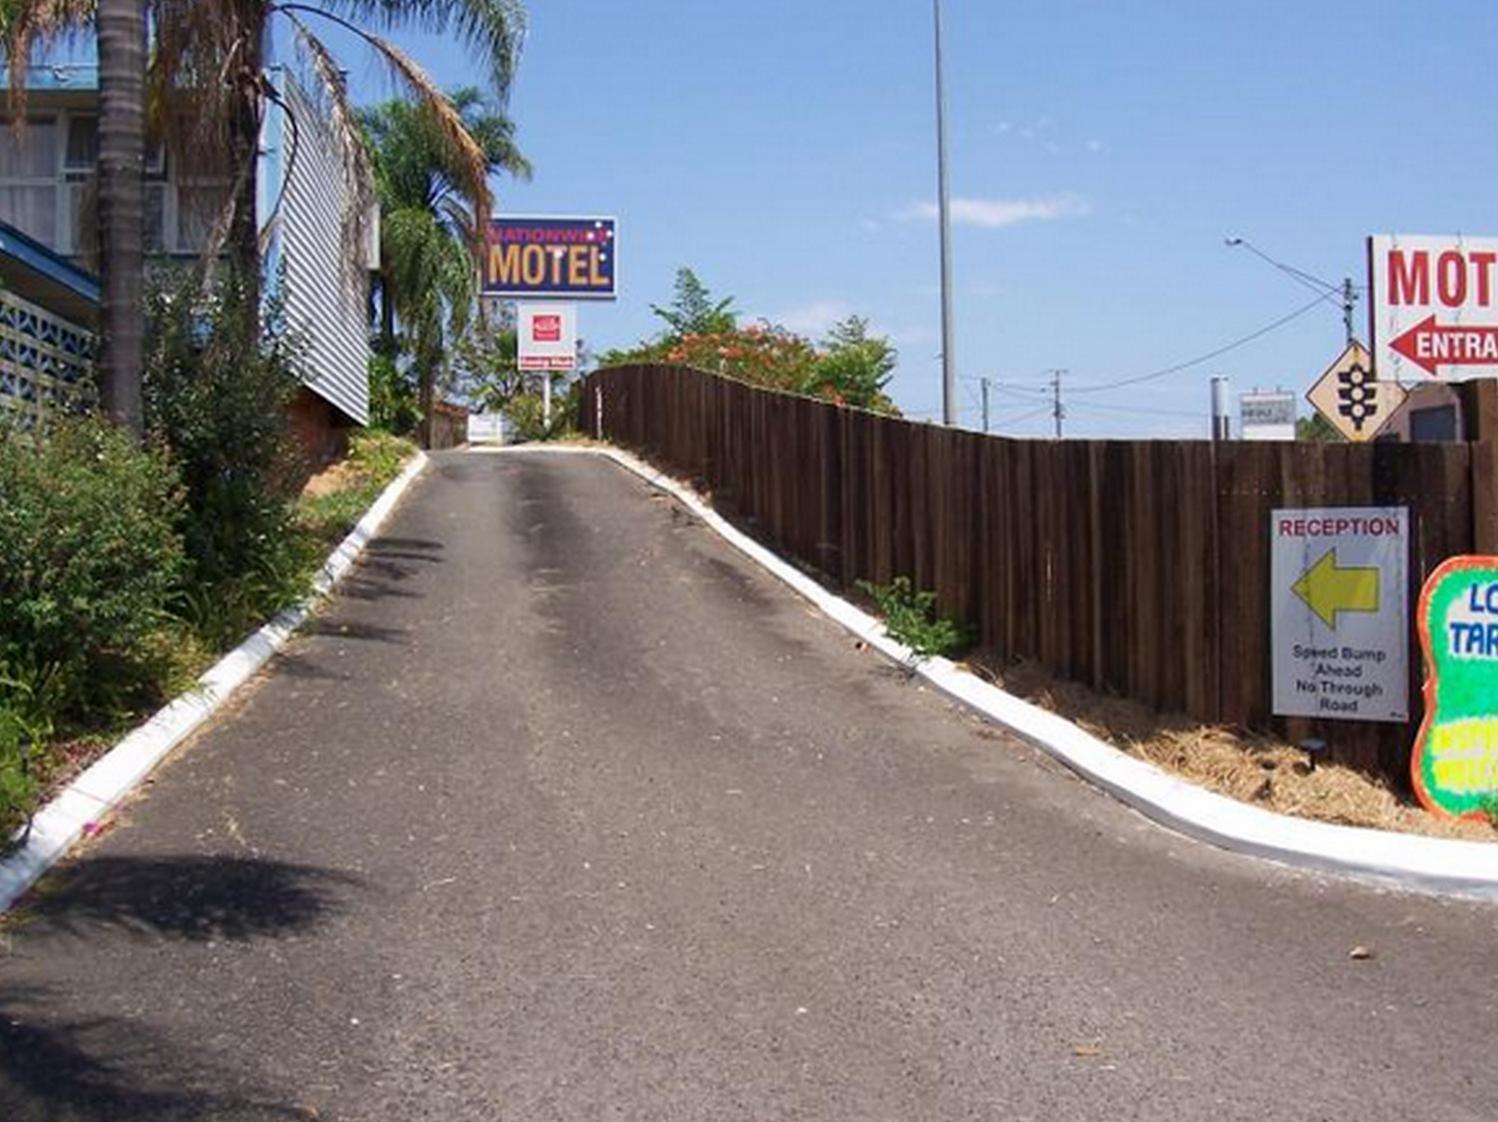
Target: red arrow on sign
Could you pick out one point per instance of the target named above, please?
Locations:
(1430, 345)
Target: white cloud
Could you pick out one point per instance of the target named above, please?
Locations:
(871, 225)
(815, 318)
(994, 214)
(1094, 146)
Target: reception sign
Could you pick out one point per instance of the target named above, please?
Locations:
(1455, 762)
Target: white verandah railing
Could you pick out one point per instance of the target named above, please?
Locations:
(46, 364)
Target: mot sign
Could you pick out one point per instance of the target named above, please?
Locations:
(551, 258)
(546, 336)
(1339, 618)
(1433, 307)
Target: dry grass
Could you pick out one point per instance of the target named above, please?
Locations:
(1254, 769)
(341, 476)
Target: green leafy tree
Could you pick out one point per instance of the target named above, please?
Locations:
(693, 311)
(854, 367)
(429, 222)
(1316, 427)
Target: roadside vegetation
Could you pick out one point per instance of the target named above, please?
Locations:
(911, 618)
(851, 365)
(126, 568)
(138, 543)
(1261, 770)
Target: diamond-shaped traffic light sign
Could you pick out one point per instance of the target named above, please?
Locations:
(1352, 400)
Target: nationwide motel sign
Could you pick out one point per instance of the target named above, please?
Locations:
(551, 258)
(1434, 307)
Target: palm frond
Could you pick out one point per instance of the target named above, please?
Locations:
(28, 24)
(469, 163)
(494, 29)
(358, 176)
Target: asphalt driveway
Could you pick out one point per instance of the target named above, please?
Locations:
(563, 810)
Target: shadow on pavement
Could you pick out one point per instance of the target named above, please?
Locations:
(106, 1068)
(348, 629)
(376, 578)
(64, 1067)
(186, 897)
(408, 545)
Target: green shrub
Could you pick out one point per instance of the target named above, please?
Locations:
(526, 413)
(217, 391)
(910, 618)
(90, 559)
(218, 386)
(379, 456)
(394, 404)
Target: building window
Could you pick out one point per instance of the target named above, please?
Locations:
(28, 178)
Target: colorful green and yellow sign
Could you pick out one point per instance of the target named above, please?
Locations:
(1455, 763)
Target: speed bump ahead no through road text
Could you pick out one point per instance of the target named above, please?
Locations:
(1340, 619)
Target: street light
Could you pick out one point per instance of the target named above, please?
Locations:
(943, 206)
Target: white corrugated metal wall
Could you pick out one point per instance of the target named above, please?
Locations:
(325, 292)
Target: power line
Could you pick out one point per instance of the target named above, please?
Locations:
(1299, 276)
(1096, 407)
(1023, 417)
(1199, 359)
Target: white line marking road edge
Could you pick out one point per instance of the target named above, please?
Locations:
(1408, 861)
(58, 825)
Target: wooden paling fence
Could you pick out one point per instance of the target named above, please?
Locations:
(1140, 568)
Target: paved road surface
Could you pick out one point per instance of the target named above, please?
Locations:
(563, 811)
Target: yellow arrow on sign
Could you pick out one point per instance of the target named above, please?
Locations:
(1329, 589)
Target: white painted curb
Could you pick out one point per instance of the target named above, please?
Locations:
(1409, 861)
(59, 824)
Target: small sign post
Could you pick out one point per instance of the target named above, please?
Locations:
(1340, 620)
(1264, 415)
(1455, 761)
(547, 342)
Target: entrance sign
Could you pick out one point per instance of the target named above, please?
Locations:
(551, 258)
(547, 336)
(1455, 762)
(1339, 614)
(1433, 307)
(1349, 397)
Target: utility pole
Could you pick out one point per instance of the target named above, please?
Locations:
(943, 206)
(985, 404)
(1058, 411)
(1349, 298)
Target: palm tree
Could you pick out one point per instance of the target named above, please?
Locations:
(121, 190)
(429, 221)
(209, 55)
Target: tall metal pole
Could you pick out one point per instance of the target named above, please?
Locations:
(985, 405)
(943, 205)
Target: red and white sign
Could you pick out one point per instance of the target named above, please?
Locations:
(547, 336)
(1433, 307)
(546, 328)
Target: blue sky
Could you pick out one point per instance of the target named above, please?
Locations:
(1102, 150)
